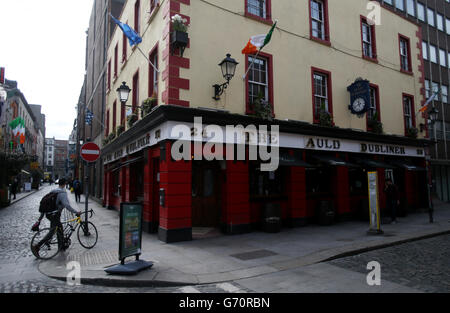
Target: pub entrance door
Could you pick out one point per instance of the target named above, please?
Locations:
(206, 204)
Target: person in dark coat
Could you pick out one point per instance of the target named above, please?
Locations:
(77, 190)
(14, 186)
(392, 201)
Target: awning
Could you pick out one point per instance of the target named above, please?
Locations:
(128, 162)
(331, 160)
(373, 163)
(293, 160)
(407, 165)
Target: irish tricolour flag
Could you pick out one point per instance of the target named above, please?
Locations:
(18, 128)
(258, 42)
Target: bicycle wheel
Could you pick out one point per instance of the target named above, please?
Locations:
(48, 249)
(87, 239)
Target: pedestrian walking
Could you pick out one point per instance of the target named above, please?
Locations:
(77, 190)
(392, 200)
(55, 217)
(14, 186)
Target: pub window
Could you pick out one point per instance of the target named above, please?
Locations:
(321, 93)
(258, 8)
(265, 184)
(358, 181)
(408, 109)
(318, 180)
(116, 183)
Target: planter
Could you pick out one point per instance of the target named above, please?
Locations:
(179, 39)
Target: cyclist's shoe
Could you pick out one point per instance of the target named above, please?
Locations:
(35, 250)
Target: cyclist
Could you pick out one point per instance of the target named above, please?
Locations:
(62, 201)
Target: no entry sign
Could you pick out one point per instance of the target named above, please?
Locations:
(90, 152)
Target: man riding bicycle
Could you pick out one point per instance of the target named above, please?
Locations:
(62, 201)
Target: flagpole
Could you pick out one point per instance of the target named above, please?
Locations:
(147, 59)
(254, 58)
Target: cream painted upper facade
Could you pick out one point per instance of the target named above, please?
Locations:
(218, 27)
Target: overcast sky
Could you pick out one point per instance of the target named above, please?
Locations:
(42, 47)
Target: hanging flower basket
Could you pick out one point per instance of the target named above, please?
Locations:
(179, 36)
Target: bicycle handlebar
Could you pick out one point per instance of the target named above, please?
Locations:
(90, 211)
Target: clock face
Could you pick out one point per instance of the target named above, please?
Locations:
(359, 105)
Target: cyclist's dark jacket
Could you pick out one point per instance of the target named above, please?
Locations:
(62, 201)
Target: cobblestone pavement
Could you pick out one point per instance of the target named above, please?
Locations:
(422, 265)
(18, 267)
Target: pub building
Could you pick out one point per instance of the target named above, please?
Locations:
(317, 165)
(331, 80)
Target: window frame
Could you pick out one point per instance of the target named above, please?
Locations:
(373, 43)
(267, 19)
(135, 93)
(408, 46)
(377, 105)
(412, 113)
(152, 74)
(326, 24)
(269, 64)
(315, 70)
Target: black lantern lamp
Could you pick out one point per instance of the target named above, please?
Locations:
(123, 92)
(228, 67)
(433, 115)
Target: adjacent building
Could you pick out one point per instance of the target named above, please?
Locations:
(300, 94)
(49, 157)
(60, 156)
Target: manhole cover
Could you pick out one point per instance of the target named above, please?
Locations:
(258, 254)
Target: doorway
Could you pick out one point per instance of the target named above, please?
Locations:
(206, 204)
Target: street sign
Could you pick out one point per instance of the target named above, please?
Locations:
(90, 152)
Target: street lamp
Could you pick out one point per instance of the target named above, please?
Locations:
(228, 67)
(123, 92)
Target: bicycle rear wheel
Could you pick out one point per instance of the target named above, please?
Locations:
(48, 249)
(87, 235)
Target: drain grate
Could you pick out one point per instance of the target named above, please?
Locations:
(91, 258)
(252, 255)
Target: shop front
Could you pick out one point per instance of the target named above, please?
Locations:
(320, 174)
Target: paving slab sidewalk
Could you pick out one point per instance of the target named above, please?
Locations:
(220, 259)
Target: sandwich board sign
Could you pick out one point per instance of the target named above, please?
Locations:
(374, 208)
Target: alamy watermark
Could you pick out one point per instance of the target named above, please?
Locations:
(73, 278)
(210, 141)
(374, 276)
(374, 15)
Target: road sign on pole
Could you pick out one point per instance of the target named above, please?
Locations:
(90, 152)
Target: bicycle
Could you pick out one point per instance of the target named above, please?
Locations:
(86, 233)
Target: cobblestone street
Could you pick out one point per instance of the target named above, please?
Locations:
(18, 267)
(422, 265)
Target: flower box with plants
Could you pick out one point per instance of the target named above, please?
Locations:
(261, 108)
(148, 104)
(112, 136)
(105, 141)
(179, 36)
(324, 117)
(374, 125)
(132, 119)
(120, 129)
(412, 132)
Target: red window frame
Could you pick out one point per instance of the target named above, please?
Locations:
(135, 91)
(151, 72)
(325, 41)
(413, 115)
(269, 60)
(267, 19)
(374, 40)
(329, 92)
(408, 41)
(107, 123)
(377, 99)
(153, 5)
(114, 116)
(109, 75)
(124, 47)
(137, 16)
(116, 57)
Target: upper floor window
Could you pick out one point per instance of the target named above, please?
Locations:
(259, 80)
(153, 5)
(261, 9)
(322, 99)
(405, 54)
(368, 39)
(137, 16)
(408, 111)
(319, 20)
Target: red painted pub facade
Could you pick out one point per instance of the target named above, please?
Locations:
(316, 165)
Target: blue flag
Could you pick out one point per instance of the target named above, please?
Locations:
(131, 34)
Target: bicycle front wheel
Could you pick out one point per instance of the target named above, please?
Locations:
(47, 249)
(87, 235)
